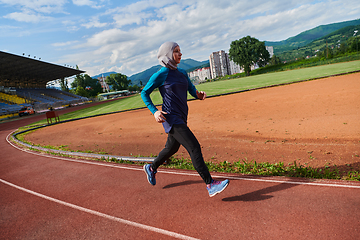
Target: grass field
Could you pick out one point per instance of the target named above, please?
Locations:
(222, 87)
(278, 78)
(234, 85)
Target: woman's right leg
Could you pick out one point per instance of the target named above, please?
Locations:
(171, 147)
(185, 137)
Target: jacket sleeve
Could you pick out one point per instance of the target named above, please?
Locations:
(155, 81)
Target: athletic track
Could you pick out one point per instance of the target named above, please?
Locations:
(48, 197)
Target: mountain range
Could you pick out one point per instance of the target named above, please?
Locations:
(308, 36)
(143, 77)
(305, 40)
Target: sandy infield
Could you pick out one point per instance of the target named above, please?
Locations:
(314, 123)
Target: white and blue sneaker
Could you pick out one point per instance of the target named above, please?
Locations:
(216, 187)
(150, 174)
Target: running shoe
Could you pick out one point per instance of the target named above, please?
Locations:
(150, 174)
(216, 187)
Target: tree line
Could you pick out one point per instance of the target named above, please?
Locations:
(86, 86)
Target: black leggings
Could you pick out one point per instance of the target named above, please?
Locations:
(180, 134)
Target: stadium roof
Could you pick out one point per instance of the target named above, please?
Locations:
(19, 71)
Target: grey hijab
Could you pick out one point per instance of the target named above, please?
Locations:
(165, 55)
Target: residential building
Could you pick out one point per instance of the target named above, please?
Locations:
(221, 65)
(270, 49)
(235, 68)
(200, 75)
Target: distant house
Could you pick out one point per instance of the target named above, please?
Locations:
(200, 75)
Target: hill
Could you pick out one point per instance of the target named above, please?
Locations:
(333, 41)
(308, 36)
(142, 78)
(205, 64)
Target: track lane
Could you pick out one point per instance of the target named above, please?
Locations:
(257, 208)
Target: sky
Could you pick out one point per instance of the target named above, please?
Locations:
(124, 36)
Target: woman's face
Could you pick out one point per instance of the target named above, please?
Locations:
(177, 54)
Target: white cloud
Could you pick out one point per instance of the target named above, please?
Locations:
(130, 18)
(70, 25)
(9, 27)
(27, 17)
(200, 27)
(89, 3)
(109, 37)
(33, 11)
(117, 35)
(94, 23)
(63, 44)
(40, 6)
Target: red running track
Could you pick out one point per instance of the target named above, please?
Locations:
(47, 197)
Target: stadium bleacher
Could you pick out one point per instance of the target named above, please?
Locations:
(6, 109)
(23, 81)
(41, 99)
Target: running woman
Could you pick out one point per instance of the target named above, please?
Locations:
(173, 84)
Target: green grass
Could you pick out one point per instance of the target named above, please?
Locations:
(262, 80)
(242, 166)
(262, 169)
(220, 87)
(234, 85)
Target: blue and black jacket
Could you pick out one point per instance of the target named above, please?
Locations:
(173, 86)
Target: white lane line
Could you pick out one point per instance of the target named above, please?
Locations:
(178, 172)
(99, 214)
(265, 180)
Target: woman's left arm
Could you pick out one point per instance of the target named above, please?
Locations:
(192, 89)
(194, 92)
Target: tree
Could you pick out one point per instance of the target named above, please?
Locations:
(248, 51)
(64, 84)
(134, 88)
(354, 44)
(118, 81)
(86, 86)
(342, 48)
(78, 81)
(275, 60)
(81, 92)
(93, 86)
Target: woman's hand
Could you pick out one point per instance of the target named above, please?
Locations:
(159, 116)
(201, 95)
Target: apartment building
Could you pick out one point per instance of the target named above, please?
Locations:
(270, 49)
(234, 68)
(200, 75)
(221, 65)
